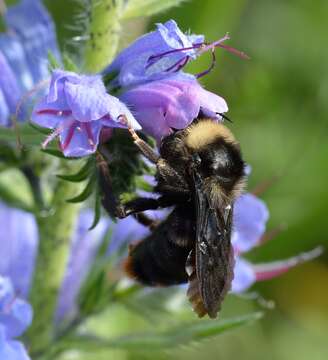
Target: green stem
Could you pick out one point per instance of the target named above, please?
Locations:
(55, 232)
(104, 32)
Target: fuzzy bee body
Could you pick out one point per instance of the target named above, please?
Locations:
(200, 172)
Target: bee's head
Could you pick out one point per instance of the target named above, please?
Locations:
(215, 154)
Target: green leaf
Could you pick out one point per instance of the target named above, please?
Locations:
(181, 335)
(97, 210)
(3, 26)
(69, 64)
(58, 154)
(27, 134)
(8, 154)
(54, 152)
(15, 191)
(40, 129)
(53, 61)
(82, 174)
(88, 190)
(141, 8)
(11, 2)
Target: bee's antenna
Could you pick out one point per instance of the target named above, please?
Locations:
(225, 117)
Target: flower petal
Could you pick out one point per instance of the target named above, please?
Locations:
(244, 276)
(79, 139)
(8, 85)
(11, 349)
(249, 221)
(161, 105)
(31, 24)
(84, 245)
(88, 99)
(18, 247)
(15, 314)
(133, 64)
(48, 115)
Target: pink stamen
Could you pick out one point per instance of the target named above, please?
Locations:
(55, 112)
(276, 268)
(52, 136)
(211, 46)
(205, 72)
(179, 64)
(88, 129)
(169, 52)
(201, 48)
(234, 51)
(69, 135)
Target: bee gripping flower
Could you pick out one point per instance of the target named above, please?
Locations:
(172, 103)
(77, 108)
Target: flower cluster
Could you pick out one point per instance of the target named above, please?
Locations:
(152, 86)
(77, 108)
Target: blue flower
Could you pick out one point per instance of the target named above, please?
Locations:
(23, 54)
(154, 55)
(18, 250)
(15, 316)
(249, 223)
(172, 103)
(76, 108)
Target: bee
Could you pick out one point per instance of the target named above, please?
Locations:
(199, 172)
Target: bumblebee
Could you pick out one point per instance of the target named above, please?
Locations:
(199, 172)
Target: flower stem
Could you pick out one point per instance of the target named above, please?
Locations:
(55, 232)
(104, 32)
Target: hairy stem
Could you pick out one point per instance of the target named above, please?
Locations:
(104, 32)
(55, 232)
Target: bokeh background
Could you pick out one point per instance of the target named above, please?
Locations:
(278, 103)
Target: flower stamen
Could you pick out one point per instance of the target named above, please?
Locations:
(51, 137)
(199, 48)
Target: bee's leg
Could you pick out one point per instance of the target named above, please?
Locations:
(146, 150)
(142, 204)
(145, 220)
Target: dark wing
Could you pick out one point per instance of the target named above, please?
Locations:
(214, 259)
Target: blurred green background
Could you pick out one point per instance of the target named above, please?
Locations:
(278, 104)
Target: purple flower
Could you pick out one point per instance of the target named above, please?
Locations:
(250, 217)
(154, 55)
(9, 91)
(19, 246)
(84, 246)
(15, 316)
(77, 107)
(171, 103)
(23, 54)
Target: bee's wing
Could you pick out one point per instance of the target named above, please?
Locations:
(213, 253)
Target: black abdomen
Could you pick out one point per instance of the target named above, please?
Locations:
(160, 258)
